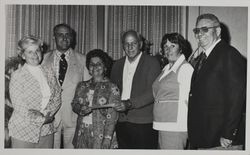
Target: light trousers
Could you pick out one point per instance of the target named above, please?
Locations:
(68, 135)
(44, 142)
(172, 140)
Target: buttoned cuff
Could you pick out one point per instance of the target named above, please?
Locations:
(128, 104)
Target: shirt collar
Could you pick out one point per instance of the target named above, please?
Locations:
(67, 53)
(136, 61)
(176, 64)
(209, 50)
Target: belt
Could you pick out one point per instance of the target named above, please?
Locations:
(165, 101)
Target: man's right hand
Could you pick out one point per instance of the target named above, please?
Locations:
(225, 142)
(120, 107)
(123, 105)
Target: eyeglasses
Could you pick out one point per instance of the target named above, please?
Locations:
(98, 64)
(165, 48)
(203, 29)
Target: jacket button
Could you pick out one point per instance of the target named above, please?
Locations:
(190, 95)
(235, 132)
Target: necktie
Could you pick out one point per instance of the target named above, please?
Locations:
(201, 61)
(62, 68)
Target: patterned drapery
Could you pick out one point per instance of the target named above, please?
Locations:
(39, 20)
(151, 21)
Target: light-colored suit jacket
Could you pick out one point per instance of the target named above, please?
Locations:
(76, 72)
(25, 95)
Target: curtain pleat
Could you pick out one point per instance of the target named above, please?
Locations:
(39, 20)
(151, 21)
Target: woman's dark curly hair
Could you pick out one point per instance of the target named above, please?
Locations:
(176, 38)
(106, 59)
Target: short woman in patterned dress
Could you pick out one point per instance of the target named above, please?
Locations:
(95, 127)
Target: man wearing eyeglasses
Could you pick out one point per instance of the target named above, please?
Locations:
(134, 74)
(69, 67)
(218, 91)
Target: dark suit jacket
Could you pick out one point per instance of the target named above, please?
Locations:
(217, 97)
(141, 94)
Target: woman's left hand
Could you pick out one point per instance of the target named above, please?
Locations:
(85, 110)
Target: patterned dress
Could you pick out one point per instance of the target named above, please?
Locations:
(93, 128)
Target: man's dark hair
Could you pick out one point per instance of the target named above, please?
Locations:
(208, 16)
(71, 31)
(62, 25)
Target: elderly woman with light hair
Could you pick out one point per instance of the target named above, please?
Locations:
(36, 97)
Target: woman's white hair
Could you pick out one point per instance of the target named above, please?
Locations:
(27, 41)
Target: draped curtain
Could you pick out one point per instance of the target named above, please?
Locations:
(151, 21)
(39, 20)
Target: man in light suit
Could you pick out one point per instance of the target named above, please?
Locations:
(218, 91)
(74, 72)
(134, 74)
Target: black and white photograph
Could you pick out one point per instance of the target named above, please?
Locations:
(116, 77)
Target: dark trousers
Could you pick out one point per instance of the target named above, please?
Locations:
(136, 136)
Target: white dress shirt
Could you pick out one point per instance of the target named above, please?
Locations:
(128, 75)
(209, 50)
(57, 60)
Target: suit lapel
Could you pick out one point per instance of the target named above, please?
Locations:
(72, 67)
(49, 61)
(208, 64)
(138, 74)
(139, 66)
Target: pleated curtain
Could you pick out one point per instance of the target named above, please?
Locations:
(39, 20)
(151, 21)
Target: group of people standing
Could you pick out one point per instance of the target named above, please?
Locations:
(91, 102)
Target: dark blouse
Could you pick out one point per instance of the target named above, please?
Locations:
(103, 120)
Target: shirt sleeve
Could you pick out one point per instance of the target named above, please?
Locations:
(184, 79)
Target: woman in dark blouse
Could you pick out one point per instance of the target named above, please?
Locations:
(93, 103)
